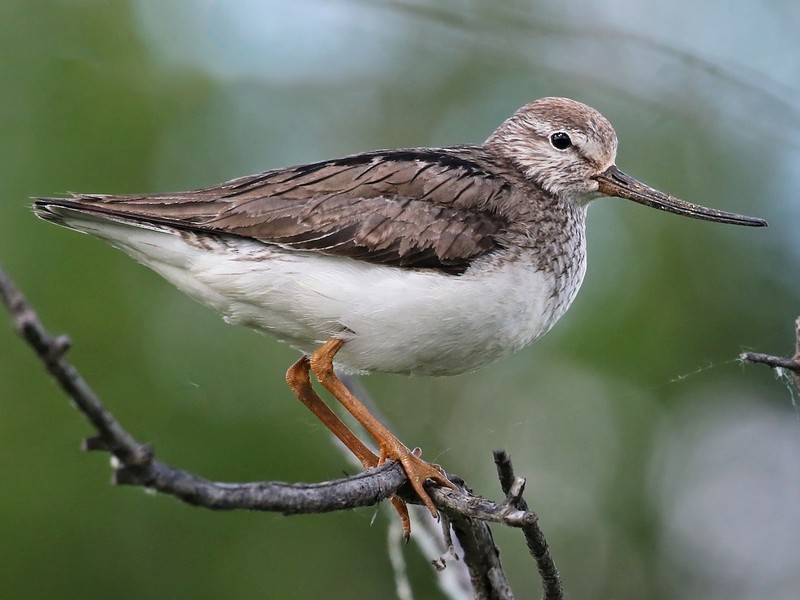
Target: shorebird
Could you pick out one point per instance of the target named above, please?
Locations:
(424, 261)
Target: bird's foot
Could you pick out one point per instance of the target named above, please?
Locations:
(417, 470)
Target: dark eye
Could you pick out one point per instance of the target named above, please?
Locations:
(560, 140)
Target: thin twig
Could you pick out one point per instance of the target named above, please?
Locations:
(779, 362)
(534, 537)
(432, 537)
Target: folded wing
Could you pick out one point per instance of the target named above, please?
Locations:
(421, 208)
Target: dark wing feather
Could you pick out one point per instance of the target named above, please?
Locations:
(425, 208)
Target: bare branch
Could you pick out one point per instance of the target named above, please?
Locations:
(136, 464)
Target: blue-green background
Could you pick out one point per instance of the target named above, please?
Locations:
(660, 466)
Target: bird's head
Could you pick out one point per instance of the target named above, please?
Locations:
(568, 149)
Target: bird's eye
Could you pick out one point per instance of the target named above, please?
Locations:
(560, 140)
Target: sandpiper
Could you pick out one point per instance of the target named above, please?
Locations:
(429, 261)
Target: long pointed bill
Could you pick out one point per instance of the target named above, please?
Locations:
(613, 182)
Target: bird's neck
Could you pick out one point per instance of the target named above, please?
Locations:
(552, 236)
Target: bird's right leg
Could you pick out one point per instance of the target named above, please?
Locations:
(300, 383)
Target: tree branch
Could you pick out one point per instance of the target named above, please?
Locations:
(136, 464)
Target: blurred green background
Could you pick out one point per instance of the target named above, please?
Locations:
(659, 465)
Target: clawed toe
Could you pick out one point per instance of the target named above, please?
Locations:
(418, 472)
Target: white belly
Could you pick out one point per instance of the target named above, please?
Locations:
(394, 320)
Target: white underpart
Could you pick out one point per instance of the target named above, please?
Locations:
(394, 320)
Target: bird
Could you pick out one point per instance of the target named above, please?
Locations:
(421, 261)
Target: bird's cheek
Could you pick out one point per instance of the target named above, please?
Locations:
(585, 190)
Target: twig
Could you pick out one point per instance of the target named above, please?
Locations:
(537, 544)
(136, 464)
(779, 362)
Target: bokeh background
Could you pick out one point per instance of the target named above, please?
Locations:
(660, 466)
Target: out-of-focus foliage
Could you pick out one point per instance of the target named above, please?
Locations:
(660, 467)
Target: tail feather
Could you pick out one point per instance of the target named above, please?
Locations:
(134, 211)
(156, 242)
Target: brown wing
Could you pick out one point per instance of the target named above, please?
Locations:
(424, 208)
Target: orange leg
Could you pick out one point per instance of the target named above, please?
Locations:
(417, 470)
(300, 384)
